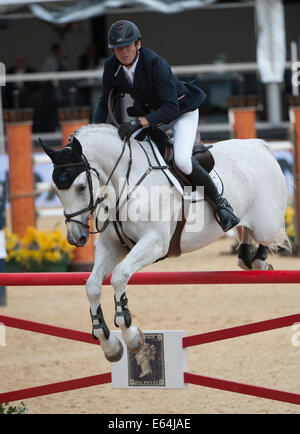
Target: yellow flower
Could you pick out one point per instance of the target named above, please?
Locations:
(289, 215)
(38, 246)
(13, 245)
(291, 230)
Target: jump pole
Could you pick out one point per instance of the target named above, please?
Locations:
(21, 182)
(157, 278)
(71, 119)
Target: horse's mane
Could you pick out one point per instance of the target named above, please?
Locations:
(83, 133)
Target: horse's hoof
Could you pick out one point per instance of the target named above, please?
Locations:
(137, 343)
(270, 267)
(242, 265)
(116, 354)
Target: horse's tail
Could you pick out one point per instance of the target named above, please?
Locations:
(281, 242)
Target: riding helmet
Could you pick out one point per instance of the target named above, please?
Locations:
(122, 33)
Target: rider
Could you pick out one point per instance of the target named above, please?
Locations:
(159, 98)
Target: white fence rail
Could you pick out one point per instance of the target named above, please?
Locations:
(97, 73)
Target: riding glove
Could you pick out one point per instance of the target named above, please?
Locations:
(126, 129)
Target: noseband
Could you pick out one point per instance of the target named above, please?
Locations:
(92, 205)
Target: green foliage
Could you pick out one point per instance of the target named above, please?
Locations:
(9, 409)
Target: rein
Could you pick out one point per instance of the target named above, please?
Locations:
(111, 105)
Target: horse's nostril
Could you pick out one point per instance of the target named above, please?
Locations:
(82, 240)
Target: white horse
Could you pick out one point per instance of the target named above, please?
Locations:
(253, 183)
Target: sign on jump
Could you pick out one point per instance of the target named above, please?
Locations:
(153, 367)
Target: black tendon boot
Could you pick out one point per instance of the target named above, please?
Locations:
(223, 210)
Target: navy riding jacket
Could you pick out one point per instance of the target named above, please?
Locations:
(155, 90)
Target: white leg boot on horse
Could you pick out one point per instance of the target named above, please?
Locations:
(146, 251)
(251, 257)
(111, 345)
(245, 250)
(260, 259)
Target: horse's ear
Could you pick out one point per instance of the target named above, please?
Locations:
(49, 151)
(76, 148)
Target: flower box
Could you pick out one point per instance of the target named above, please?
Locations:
(48, 267)
(37, 251)
(13, 266)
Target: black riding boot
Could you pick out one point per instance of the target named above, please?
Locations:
(222, 209)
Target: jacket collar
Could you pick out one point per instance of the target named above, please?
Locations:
(139, 71)
(139, 74)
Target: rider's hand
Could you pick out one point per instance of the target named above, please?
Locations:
(126, 129)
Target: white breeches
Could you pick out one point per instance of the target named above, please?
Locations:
(184, 134)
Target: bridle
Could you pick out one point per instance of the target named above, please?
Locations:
(69, 217)
(92, 205)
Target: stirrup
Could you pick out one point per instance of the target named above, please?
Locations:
(232, 220)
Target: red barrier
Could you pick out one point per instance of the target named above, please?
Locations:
(232, 386)
(156, 278)
(62, 386)
(234, 332)
(246, 389)
(47, 329)
(54, 387)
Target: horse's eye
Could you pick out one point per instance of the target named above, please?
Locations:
(80, 188)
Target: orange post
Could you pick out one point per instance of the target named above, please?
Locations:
(242, 116)
(21, 181)
(71, 119)
(295, 123)
(68, 128)
(244, 123)
(297, 164)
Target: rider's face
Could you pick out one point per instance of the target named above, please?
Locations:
(126, 55)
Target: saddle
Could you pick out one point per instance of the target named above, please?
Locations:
(165, 147)
(200, 152)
